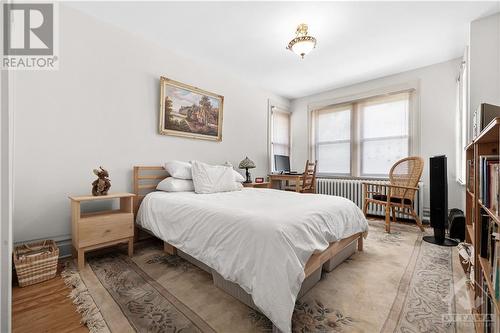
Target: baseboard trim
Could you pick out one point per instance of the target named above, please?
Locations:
(63, 243)
(401, 219)
(65, 248)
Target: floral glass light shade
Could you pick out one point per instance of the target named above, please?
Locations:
(302, 44)
(247, 164)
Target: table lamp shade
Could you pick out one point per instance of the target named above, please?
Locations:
(247, 164)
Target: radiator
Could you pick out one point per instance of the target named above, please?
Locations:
(352, 189)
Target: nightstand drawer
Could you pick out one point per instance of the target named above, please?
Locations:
(100, 228)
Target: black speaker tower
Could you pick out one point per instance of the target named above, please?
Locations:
(439, 201)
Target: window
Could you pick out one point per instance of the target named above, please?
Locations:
(384, 136)
(461, 140)
(280, 134)
(362, 138)
(333, 141)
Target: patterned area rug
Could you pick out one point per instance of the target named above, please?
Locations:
(397, 284)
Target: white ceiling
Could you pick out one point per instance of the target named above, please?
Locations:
(357, 41)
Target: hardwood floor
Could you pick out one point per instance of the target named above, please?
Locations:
(45, 307)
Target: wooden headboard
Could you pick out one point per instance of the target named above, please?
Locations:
(145, 180)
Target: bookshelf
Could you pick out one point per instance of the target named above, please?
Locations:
(480, 217)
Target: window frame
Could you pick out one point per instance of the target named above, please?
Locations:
(461, 120)
(356, 122)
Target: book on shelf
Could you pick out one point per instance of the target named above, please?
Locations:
(492, 232)
(489, 240)
(489, 249)
(494, 187)
(493, 256)
(489, 185)
(487, 308)
(495, 261)
(488, 181)
(470, 175)
(484, 239)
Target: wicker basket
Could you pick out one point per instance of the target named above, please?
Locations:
(36, 262)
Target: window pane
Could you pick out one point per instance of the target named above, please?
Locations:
(334, 158)
(378, 156)
(389, 118)
(280, 150)
(334, 125)
(281, 127)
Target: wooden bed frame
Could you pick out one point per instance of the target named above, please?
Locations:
(147, 177)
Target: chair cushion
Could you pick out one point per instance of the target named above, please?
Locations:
(382, 197)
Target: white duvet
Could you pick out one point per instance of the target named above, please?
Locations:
(260, 239)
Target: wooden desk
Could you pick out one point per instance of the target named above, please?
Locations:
(257, 185)
(276, 179)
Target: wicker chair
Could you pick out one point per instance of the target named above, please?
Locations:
(399, 194)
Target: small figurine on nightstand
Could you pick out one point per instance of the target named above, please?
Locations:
(101, 185)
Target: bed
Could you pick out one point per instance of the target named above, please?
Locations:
(265, 247)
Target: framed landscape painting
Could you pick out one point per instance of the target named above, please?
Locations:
(189, 112)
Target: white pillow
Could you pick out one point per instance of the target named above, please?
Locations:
(171, 184)
(178, 169)
(237, 176)
(213, 178)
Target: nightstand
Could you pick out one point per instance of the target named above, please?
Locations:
(257, 185)
(95, 230)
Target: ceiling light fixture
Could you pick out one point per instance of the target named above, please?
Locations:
(302, 44)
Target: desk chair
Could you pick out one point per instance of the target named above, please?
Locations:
(307, 182)
(399, 194)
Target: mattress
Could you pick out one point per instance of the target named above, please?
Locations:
(259, 239)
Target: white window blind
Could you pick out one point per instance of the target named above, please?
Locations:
(362, 138)
(280, 134)
(333, 140)
(384, 135)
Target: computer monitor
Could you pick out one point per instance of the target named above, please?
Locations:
(281, 163)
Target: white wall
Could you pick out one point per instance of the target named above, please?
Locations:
(436, 100)
(484, 61)
(101, 108)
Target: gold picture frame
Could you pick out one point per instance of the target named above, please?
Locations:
(190, 112)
